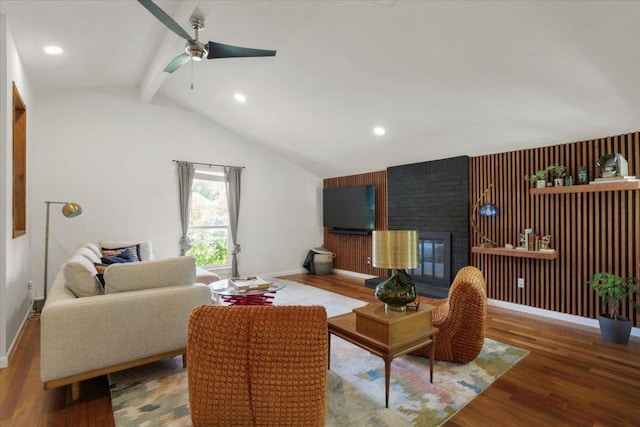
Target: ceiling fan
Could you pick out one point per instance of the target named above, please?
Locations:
(195, 49)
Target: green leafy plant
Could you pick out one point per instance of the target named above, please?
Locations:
(613, 290)
(208, 248)
(540, 175)
(558, 170)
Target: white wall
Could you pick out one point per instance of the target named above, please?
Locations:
(112, 155)
(15, 269)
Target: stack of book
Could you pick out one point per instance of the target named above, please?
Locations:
(612, 179)
(250, 283)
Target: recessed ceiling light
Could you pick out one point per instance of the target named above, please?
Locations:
(379, 130)
(240, 97)
(53, 50)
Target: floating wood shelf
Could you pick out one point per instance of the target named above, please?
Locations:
(514, 253)
(588, 188)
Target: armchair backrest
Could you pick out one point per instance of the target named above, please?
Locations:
(468, 307)
(257, 365)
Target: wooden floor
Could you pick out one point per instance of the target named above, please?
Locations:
(569, 378)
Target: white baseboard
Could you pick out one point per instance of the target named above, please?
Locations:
(4, 360)
(553, 315)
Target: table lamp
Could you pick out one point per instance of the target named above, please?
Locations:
(395, 250)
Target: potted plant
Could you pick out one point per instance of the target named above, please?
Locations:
(559, 172)
(613, 290)
(539, 178)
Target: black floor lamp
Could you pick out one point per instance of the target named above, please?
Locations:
(70, 210)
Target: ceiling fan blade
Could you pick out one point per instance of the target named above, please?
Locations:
(177, 62)
(219, 50)
(165, 19)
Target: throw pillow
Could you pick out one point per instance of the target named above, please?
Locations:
(133, 249)
(125, 256)
(145, 252)
(100, 269)
(80, 277)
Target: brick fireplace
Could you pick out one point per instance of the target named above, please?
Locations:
(433, 198)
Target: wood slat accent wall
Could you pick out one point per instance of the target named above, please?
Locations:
(591, 231)
(352, 251)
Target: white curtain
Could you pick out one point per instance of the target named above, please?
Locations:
(232, 180)
(186, 171)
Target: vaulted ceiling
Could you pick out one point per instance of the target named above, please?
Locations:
(444, 78)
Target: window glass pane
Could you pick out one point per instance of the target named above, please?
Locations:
(208, 203)
(208, 246)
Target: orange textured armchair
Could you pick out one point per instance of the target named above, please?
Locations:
(257, 365)
(461, 318)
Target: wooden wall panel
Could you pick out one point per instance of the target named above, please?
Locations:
(591, 231)
(352, 251)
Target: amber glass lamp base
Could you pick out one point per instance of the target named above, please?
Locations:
(396, 292)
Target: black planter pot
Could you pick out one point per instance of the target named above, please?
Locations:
(616, 331)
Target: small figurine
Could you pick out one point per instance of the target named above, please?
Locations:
(545, 241)
(523, 243)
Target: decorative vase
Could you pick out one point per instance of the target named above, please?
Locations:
(558, 182)
(396, 292)
(615, 331)
(541, 183)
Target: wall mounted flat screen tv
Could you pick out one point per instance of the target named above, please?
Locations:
(349, 210)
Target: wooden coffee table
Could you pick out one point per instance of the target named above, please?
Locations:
(387, 334)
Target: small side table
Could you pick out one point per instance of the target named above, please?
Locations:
(387, 334)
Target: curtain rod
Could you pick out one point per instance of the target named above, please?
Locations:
(210, 164)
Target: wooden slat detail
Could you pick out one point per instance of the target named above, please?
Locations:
(352, 251)
(591, 230)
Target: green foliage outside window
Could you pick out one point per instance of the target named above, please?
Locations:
(208, 247)
(208, 209)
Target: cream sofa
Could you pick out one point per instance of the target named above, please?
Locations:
(140, 316)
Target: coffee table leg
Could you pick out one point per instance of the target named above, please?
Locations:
(432, 353)
(387, 374)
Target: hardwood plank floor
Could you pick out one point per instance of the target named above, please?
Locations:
(570, 377)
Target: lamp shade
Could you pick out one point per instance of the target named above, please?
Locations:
(488, 209)
(71, 210)
(397, 249)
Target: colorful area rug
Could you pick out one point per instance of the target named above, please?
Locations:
(157, 394)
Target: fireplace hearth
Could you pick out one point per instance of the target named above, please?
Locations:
(432, 277)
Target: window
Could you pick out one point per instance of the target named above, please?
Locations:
(209, 220)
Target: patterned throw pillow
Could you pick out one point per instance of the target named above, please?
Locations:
(135, 252)
(100, 269)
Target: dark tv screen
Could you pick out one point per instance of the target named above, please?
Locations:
(350, 207)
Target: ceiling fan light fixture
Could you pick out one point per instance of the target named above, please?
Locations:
(196, 50)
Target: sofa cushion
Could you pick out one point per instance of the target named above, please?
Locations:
(145, 251)
(80, 277)
(205, 276)
(88, 254)
(93, 247)
(149, 274)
